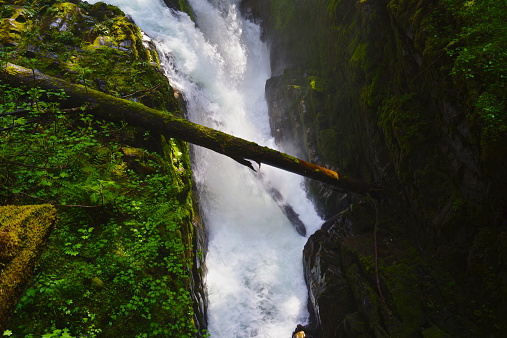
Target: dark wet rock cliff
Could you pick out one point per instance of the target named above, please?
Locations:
(410, 96)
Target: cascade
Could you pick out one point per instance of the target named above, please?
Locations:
(255, 280)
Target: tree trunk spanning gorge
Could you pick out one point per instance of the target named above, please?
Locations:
(115, 109)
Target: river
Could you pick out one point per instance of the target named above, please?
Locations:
(255, 277)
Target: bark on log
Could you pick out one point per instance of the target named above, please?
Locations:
(115, 109)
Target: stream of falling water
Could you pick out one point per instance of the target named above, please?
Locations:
(255, 280)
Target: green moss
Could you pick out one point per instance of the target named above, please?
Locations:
(23, 231)
(64, 10)
(407, 307)
(131, 246)
(374, 91)
(435, 332)
(359, 55)
(12, 24)
(415, 99)
(185, 7)
(96, 46)
(326, 142)
(9, 244)
(286, 156)
(284, 13)
(404, 123)
(317, 84)
(142, 161)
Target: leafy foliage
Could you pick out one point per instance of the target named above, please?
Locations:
(480, 68)
(119, 262)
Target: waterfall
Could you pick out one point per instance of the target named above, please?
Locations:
(220, 65)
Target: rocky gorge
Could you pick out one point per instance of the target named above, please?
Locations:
(406, 95)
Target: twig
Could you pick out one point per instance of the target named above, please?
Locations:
(16, 112)
(376, 254)
(55, 204)
(431, 64)
(34, 197)
(6, 176)
(142, 90)
(19, 125)
(72, 110)
(77, 205)
(33, 166)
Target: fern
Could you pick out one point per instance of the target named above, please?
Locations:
(117, 261)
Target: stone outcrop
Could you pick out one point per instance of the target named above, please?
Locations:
(373, 285)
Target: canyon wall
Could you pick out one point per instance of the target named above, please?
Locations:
(410, 96)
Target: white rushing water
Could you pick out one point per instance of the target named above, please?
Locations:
(254, 260)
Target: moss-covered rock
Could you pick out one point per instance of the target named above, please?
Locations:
(180, 5)
(97, 46)
(12, 24)
(23, 232)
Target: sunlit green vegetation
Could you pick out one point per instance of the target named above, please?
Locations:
(478, 48)
(117, 264)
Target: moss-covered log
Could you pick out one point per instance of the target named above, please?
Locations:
(23, 231)
(115, 109)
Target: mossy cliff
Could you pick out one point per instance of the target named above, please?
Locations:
(410, 96)
(126, 256)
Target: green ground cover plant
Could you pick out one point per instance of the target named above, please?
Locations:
(118, 263)
(477, 48)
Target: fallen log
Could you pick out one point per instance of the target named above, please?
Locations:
(114, 109)
(23, 232)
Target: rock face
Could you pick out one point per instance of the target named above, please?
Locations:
(387, 92)
(364, 284)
